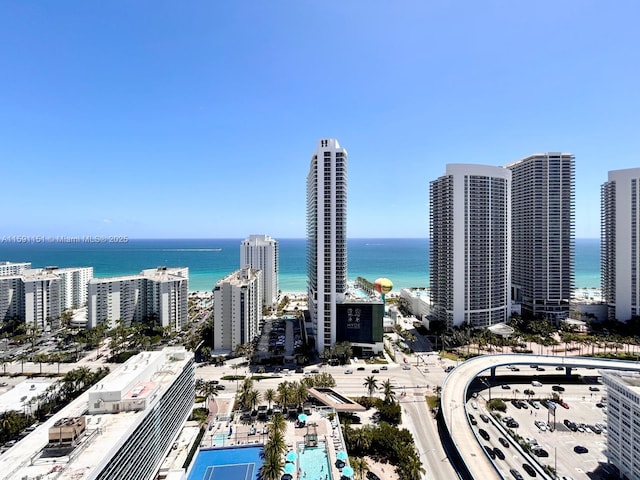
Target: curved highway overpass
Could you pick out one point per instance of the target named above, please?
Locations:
(454, 396)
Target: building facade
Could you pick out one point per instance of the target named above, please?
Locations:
(11, 298)
(124, 426)
(326, 238)
(158, 295)
(623, 422)
(261, 252)
(13, 268)
(73, 285)
(470, 245)
(237, 309)
(543, 238)
(620, 241)
(42, 298)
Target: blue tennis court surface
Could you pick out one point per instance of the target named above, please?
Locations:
(233, 463)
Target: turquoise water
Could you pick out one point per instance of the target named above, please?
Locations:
(231, 463)
(314, 462)
(219, 439)
(404, 261)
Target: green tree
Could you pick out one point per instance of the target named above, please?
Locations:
(269, 396)
(371, 384)
(388, 391)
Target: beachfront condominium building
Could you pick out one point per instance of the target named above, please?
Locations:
(543, 243)
(157, 295)
(73, 285)
(11, 298)
(623, 422)
(620, 244)
(326, 238)
(470, 245)
(121, 428)
(42, 299)
(261, 252)
(237, 309)
(38, 296)
(13, 268)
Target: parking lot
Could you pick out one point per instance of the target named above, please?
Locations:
(570, 439)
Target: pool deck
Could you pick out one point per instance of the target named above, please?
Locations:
(221, 422)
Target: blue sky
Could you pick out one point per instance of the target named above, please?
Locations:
(197, 119)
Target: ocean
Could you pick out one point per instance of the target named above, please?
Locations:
(404, 261)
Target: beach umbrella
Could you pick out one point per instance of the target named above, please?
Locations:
(302, 417)
(291, 456)
(286, 476)
(340, 464)
(289, 468)
(341, 455)
(347, 471)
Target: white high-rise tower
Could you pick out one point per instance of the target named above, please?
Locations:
(620, 243)
(326, 238)
(470, 245)
(260, 252)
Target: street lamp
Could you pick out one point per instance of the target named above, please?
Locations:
(488, 385)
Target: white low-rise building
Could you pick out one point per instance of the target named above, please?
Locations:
(13, 268)
(161, 292)
(130, 420)
(623, 421)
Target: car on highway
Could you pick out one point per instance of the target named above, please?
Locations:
(580, 449)
(474, 405)
(536, 383)
(516, 474)
(375, 370)
(559, 368)
(505, 386)
(529, 469)
(483, 433)
(384, 367)
(484, 418)
(594, 389)
(360, 369)
(503, 442)
(348, 371)
(4, 384)
(498, 453)
(472, 419)
(557, 388)
(490, 452)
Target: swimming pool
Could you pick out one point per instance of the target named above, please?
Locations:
(227, 463)
(219, 440)
(314, 461)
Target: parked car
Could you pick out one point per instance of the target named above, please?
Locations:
(540, 452)
(372, 476)
(512, 424)
(580, 449)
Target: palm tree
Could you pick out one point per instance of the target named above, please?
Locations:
(300, 394)
(253, 398)
(371, 384)
(269, 395)
(388, 392)
(277, 424)
(359, 465)
(410, 467)
(272, 466)
(284, 394)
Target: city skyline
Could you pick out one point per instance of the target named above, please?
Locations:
(148, 121)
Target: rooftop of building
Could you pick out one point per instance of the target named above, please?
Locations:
(240, 277)
(629, 379)
(158, 274)
(105, 432)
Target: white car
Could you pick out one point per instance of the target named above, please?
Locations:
(474, 405)
(348, 370)
(406, 366)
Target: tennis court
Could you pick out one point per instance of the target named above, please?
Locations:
(230, 463)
